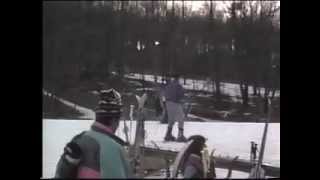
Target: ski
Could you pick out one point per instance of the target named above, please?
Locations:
(180, 159)
(131, 119)
(205, 161)
(212, 168)
(136, 150)
(125, 131)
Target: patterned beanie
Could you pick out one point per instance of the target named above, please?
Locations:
(109, 106)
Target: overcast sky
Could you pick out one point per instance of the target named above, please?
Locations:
(196, 5)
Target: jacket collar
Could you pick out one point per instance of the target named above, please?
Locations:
(98, 127)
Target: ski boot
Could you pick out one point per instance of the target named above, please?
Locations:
(169, 136)
(181, 137)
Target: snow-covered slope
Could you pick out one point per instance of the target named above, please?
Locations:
(86, 113)
(230, 89)
(231, 139)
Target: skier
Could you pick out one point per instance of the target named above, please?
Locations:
(98, 153)
(174, 93)
(193, 166)
(255, 150)
(253, 153)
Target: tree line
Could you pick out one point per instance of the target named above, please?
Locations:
(86, 40)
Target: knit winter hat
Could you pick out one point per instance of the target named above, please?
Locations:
(110, 105)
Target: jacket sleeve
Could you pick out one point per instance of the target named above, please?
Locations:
(90, 163)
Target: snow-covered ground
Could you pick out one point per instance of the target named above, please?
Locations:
(232, 139)
(86, 113)
(230, 89)
(89, 114)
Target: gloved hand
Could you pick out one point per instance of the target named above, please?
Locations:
(72, 153)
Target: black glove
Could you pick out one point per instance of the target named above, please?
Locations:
(68, 164)
(72, 152)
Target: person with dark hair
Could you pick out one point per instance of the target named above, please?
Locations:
(98, 153)
(193, 167)
(254, 150)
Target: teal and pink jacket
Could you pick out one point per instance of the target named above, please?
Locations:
(103, 155)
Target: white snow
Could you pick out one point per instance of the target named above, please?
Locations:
(204, 95)
(87, 113)
(55, 134)
(231, 139)
(94, 92)
(135, 83)
(230, 89)
(202, 118)
(145, 89)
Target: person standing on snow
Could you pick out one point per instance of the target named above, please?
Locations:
(254, 150)
(174, 94)
(98, 153)
(251, 151)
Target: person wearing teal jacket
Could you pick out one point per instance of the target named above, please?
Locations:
(98, 152)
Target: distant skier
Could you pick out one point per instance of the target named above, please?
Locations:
(255, 150)
(174, 93)
(253, 153)
(98, 153)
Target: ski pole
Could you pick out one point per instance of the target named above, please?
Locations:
(131, 119)
(264, 139)
(125, 130)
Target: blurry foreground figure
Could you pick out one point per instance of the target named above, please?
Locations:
(98, 153)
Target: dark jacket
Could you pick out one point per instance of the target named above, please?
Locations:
(193, 167)
(174, 92)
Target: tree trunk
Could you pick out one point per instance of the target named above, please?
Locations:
(193, 82)
(255, 89)
(265, 107)
(246, 97)
(183, 9)
(173, 8)
(273, 93)
(155, 78)
(213, 87)
(218, 93)
(266, 92)
(244, 94)
(143, 81)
